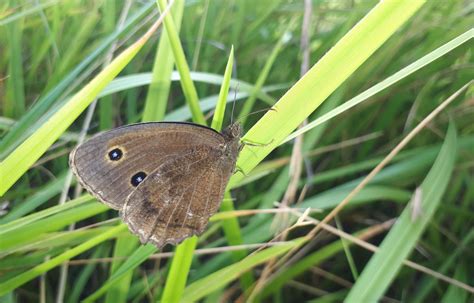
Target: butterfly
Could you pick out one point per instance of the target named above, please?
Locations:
(165, 178)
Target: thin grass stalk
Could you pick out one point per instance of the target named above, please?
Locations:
(158, 91)
(187, 84)
(262, 77)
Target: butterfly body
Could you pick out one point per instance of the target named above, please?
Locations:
(165, 178)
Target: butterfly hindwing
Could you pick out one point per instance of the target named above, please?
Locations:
(178, 198)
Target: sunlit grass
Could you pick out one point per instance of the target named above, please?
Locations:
(395, 61)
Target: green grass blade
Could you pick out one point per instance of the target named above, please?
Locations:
(18, 223)
(222, 277)
(262, 77)
(21, 159)
(181, 262)
(106, 112)
(38, 7)
(233, 236)
(20, 279)
(158, 91)
(178, 273)
(81, 280)
(323, 78)
(41, 196)
(426, 285)
(25, 234)
(124, 246)
(293, 271)
(455, 294)
(14, 104)
(402, 238)
(398, 76)
(187, 84)
(23, 127)
(139, 256)
(224, 91)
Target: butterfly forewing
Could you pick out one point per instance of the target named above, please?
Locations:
(112, 164)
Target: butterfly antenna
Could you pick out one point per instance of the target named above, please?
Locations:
(258, 111)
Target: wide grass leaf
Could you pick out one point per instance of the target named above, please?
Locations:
(323, 79)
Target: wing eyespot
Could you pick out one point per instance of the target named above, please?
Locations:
(138, 178)
(115, 154)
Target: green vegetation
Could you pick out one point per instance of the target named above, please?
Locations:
(374, 202)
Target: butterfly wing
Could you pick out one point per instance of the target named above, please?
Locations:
(106, 163)
(178, 198)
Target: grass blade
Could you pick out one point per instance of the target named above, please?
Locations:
(14, 103)
(398, 76)
(13, 283)
(402, 238)
(222, 277)
(222, 101)
(187, 84)
(178, 273)
(158, 92)
(19, 132)
(124, 246)
(181, 262)
(138, 257)
(323, 78)
(21, 159)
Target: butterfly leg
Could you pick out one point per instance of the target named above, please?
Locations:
(239, 170)
(254, 144)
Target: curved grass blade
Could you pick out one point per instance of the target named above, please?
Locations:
(139, 256)
(401, 74)
(21, 279)
(402, 238)
(20, 160)
(222, 101)
(222, 277)
(131, 81)
(25, 234)
(22, 128)
(18, 223)
(41, 196)
(26, 12)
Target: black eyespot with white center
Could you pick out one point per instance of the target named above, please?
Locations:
(138, 178)
(115, 154)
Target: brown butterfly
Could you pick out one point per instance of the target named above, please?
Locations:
(165, 178)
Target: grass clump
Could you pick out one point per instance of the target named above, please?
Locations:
(386, 89)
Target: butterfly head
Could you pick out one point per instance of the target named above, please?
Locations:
(233, 132)
(232, 135)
